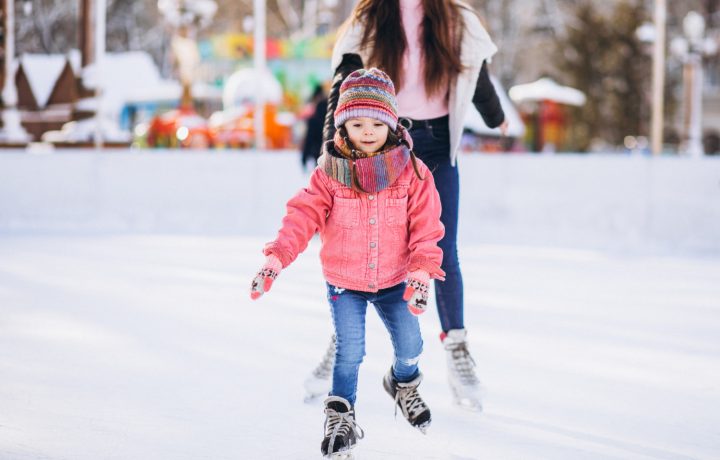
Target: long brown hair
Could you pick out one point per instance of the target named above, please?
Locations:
(440, 37)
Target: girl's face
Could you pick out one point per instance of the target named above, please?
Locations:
(367, 134)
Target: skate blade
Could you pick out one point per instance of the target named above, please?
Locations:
(423, 428)
(344, 455)
(469, 404)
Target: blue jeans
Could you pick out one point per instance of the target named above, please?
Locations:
(348, 309)
(431, 139)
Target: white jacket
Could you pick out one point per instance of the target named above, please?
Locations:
(476, 48)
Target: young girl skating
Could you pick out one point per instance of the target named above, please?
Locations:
(378, 214)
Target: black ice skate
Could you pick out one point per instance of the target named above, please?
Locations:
(341, 430)
(408, 400)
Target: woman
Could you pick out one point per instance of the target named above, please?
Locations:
(436, 52)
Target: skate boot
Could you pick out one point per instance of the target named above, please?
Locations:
(319, 382)
(463, 382)
(341, 431)
(408, 400)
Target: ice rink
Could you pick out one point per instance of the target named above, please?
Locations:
(148, 347)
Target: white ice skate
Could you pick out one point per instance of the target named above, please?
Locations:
(464, 384)
(319, 382)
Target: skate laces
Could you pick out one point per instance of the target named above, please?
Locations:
(463, 364)
(324, 369)
(341, 423)
(411, 401)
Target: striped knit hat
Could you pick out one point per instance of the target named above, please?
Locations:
(367, 93)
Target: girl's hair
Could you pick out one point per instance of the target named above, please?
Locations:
(392, 140)
(440, 37)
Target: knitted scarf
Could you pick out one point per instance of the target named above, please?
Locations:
(375, 172)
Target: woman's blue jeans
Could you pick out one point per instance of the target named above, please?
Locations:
(431, 139)
(348, 309)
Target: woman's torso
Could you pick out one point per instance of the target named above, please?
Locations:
(413, 100)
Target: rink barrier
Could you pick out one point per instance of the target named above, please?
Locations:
(573, 200)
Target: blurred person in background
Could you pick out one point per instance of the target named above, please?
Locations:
(312, 143)
(436, 51)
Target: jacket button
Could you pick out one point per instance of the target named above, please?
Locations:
(373, 244)
(371, 265)
(371, 286)
(371, 197)
(372, 221)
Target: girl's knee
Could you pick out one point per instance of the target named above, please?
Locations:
(349, 353)
(411, 361)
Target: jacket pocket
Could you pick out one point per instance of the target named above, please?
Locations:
(396, 211)
(345, 212)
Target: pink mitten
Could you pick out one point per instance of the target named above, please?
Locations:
(264, 279)
(416, 292)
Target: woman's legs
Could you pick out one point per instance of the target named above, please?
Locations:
(449, 293)
(432, 145)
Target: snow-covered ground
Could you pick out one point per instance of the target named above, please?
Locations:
(148, 347)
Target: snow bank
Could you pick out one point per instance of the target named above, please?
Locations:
(610, 202)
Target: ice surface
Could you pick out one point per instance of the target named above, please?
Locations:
(148, 347)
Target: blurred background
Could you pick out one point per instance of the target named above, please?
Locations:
(576, 74)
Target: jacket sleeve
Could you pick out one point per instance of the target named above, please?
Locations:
(486, 99)
(425, 227)
(306, 215)
(349, 64)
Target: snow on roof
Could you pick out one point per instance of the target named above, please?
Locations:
(475, 123)
(75, 58)
(547, 89)
(131, 77)
(42, 71)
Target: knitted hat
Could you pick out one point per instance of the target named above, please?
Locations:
(367, 93)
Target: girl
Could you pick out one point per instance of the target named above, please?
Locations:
(436, 52)
(378, 214)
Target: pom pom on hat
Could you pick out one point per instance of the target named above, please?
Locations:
(367, 93)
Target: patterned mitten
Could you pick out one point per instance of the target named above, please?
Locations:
(416, 292)
(264, 279)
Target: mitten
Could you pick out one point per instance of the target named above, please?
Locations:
(264, 279)
(416, 292)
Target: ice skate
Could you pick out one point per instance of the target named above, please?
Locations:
(319, 382)
(408, 400)
(464, 384)
(341, 430)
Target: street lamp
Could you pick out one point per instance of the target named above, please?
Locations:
(654, 33)
(691, 48)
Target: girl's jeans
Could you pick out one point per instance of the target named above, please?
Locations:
(432, 145)
(348, 309)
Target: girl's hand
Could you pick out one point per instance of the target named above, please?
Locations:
(416, 292)
(266, 275)
(504, 127)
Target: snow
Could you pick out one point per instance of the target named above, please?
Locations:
(547, 89)
(43, 71)
(137, 339)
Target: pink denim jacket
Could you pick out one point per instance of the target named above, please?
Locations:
(369, 241)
